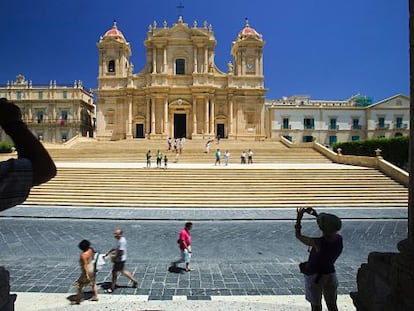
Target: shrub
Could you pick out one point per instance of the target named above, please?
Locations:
(6, 147)
(394, 150)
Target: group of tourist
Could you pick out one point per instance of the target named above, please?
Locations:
(118, 255)
(159, 158)
(226, 156)
(34, 166)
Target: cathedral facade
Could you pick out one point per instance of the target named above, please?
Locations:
(180, 92)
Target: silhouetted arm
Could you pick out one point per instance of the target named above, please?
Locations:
(27, 145)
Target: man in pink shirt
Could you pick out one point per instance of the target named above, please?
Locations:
(184, 242)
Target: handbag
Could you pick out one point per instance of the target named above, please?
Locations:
(114, 256)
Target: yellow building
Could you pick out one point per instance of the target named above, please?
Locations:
(54, 112)
(180, 92)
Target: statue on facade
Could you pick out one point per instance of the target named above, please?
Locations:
(230, 67)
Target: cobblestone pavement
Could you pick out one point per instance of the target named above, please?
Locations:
(231, 255)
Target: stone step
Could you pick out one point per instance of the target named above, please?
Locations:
(222, 188)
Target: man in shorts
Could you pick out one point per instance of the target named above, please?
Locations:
(184, 243)
(119, 260)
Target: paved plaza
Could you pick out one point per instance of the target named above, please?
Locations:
(243, 253)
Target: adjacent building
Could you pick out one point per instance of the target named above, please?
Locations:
(54, 113)
(301, 119)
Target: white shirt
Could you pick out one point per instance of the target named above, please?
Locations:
(121, 246)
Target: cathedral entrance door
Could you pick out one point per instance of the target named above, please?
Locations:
(140, 130)
(180, 125)
(220, 130)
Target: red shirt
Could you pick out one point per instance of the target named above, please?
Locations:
(184, 236)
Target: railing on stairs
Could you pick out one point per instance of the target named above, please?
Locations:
(376, 162)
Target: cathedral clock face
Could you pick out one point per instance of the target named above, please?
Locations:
(250, 66)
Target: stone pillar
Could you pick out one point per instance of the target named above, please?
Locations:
(386, 282)
(152, 115)
(129, 129)
(195, 60)
(212, 116)
(154, 60)
(6, 300)
(148, 116)
(165, 61)
(194, 116)
(205, 60)
(206, 116)
(230, 116)
(165, 115)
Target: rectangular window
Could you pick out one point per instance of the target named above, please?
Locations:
(65, 94)
(180, 66)
(285, 125)
(399, 122)
(332, 124)
(355, 137)
(18, 95)
(40, 95)
(332, 139)
(307, 139)
(64, 115)
(355, 124)
(309, 123)
(381, 122)
(39, 116)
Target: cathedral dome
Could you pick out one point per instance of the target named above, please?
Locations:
(248, 32)
(115, 33)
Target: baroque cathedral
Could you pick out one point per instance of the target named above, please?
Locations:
(180, 92)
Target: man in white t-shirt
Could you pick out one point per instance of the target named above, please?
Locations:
(119, 260)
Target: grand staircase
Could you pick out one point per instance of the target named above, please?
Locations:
(116, 176)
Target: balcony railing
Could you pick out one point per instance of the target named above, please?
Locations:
(57, 122)
(356, 127)
(309, 127)
(334, 128)
(382, 127)
(286, 127)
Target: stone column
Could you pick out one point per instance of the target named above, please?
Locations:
(194, 116)
(152, 115)
(206, 116)
(386, 282)
(165, 61)
(6, 300)
(195, 60)
(165, 115)
(212, 115)
(205, 60)
(148, 116)
(411, 155)
(230, 116)
(154, 60)
(129, 129)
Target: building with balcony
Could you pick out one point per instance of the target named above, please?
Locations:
(54, 113)
(301, 119)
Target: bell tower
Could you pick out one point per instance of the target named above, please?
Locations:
(114, 54)
(247, 52)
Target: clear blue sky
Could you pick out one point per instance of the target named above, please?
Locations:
(327, 49)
